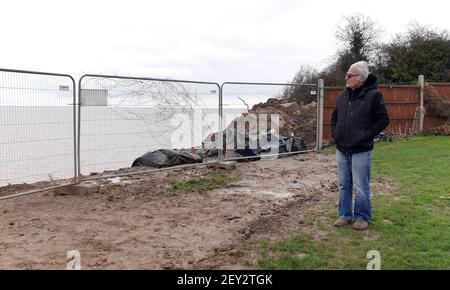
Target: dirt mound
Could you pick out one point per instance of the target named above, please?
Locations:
(296, 120)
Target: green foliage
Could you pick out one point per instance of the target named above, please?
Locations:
(299, 252)
(421, 50)
(358, 35)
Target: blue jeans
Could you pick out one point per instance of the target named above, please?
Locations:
(354, 171)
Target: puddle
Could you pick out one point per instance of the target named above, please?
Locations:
(115, 180)
(252, 192)
(284, 194)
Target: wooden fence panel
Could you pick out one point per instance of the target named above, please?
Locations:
(401, 103)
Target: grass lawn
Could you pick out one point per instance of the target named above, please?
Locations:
(411, 223)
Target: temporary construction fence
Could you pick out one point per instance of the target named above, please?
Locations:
(258, 123)
(49, 132)
(122, 118)
(37, 127)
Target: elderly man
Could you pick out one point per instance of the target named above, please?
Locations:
(359, 115)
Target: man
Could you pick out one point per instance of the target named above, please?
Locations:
(359, 115)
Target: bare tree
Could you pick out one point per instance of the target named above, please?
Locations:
(305, 75)
(359, 34)
(151, 104)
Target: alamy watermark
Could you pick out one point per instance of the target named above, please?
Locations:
(73, 260)
(240, 131)
(375, 260)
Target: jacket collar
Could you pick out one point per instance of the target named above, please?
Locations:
(370, 83)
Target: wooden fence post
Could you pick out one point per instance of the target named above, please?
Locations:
(422, 109)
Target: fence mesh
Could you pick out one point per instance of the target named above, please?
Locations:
(264, 119)
(123, 118)
(36, 127)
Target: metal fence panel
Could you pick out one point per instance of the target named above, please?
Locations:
(268, 119)
(122, 118)
(37, 127)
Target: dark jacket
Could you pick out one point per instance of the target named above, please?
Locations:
(359, 116)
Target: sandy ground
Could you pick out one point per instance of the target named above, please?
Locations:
(133, 223)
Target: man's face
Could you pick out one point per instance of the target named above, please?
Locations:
(353, 79)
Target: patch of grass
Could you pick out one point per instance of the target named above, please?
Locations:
(411, 224)
(201, 184)
(298, 252)
(328, 150)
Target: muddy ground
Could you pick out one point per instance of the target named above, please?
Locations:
(134, 223)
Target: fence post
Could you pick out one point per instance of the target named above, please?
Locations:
(320, 95)
(422, 109)
(219, 139)
(76, 127)
(78, 105)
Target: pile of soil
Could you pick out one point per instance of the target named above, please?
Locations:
(296, 120)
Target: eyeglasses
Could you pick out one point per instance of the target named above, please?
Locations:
(349, 76)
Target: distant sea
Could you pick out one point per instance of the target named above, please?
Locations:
(37, 143)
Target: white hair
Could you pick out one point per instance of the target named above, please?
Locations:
(362, 67)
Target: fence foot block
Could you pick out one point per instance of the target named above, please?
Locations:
(225, 165)
(83, 188)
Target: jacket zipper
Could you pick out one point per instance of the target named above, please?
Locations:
(346, 127)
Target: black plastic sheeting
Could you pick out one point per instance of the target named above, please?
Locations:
(285, 145)
(382, 137)
(166, 158)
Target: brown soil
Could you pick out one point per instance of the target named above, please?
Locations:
(134, 223)
(296, 120)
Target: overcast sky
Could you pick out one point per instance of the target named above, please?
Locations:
(232, 40)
